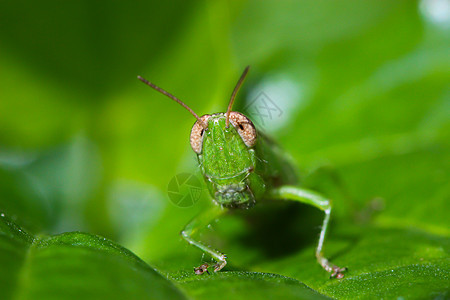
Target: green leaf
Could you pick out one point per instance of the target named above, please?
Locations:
(72, 266)
(245, 285)
(382, 263)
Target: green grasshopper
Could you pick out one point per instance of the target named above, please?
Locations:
(241, 166)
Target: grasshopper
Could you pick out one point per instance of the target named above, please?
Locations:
(241, 166)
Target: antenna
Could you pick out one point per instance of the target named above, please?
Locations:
(233, 95)
(173, 98)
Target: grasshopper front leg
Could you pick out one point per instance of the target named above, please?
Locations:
(198, 223)
(314, 199)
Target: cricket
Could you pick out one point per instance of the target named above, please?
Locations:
(241, 167)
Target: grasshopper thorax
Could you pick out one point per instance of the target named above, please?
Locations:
(226, 156)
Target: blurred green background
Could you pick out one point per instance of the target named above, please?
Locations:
(364, 91)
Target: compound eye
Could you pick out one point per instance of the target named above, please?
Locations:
(244, 127)
(197, 132)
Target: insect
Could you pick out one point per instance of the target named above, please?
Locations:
(241, 167)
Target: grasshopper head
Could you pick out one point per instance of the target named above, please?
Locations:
(226, 156)
(223, 143)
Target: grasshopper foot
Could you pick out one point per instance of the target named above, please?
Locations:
(219, 266)
(221, 263)
(337, 272)
(201, 269)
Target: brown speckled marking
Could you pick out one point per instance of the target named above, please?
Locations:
(197, 134)
(244, 127)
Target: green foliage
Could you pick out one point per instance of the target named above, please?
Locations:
(74, 265)
(84, 146)
(245, 285)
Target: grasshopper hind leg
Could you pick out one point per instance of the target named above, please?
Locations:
(309, 197)
(328, 266)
